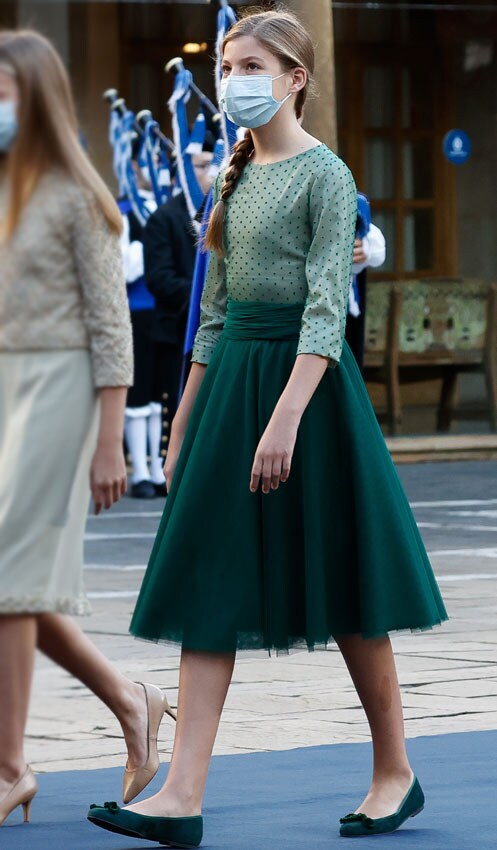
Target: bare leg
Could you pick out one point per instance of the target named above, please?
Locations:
(17, 650)
(204, 682)
(372, 667)
(62, 640)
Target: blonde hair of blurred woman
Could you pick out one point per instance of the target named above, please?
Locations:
(47, 135)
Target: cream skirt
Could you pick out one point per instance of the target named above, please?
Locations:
(48, 427)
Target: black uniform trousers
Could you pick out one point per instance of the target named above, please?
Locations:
(355, 328)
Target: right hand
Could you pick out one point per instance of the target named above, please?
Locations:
(359, 256)
(273, 457)
(172, 457)
(107, 475)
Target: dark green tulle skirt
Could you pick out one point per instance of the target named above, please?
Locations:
(334, 551)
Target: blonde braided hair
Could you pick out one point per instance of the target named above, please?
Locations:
(287, 39)
(242, 152)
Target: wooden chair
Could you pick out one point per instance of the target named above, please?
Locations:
(419, 330)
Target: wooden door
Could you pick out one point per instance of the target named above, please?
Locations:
(393, 110)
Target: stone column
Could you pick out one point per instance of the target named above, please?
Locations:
(95, 56)
(87, 38)
(320, 113)
(50, 18)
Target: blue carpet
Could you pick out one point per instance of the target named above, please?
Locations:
(289, 800)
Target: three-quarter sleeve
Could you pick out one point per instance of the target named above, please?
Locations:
(99, 267)
(212, 306)
(333, 213)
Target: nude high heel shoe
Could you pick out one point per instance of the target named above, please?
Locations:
(20, 794)
(136, 780)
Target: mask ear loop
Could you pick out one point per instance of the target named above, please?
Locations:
(289, 93)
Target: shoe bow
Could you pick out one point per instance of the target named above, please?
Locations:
(111, 807)
(358, 817)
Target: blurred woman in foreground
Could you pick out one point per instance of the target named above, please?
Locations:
(65, 353)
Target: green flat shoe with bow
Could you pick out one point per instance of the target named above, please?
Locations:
(173, 832)
(356, 825)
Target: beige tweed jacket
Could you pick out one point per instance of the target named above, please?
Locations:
(62, 284)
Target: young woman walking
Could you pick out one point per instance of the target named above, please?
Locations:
(285, 524)
(65, 341)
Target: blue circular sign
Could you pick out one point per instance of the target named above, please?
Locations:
(457, 146)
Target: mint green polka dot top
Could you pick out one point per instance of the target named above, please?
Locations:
(288, 238)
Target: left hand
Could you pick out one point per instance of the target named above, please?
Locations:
(273, 457)
(108, 479)
(359, 256)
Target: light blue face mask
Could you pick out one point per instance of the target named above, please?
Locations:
(8, 124)
(248, 99)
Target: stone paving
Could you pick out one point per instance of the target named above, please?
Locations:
(448, 675)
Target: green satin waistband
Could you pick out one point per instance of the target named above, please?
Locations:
(258, 320)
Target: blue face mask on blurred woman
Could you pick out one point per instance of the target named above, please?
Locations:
(8, 124)
(248, 99)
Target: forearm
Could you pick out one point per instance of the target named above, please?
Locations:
(112, 404)
(304, 379)
(190, 393)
